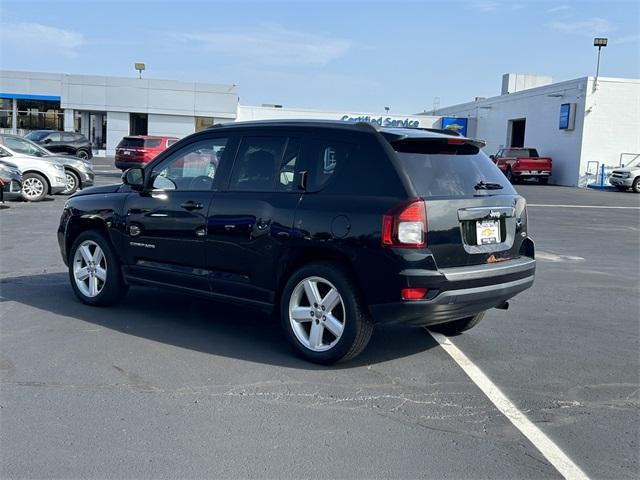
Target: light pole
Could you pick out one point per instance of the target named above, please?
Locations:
(599, 42)
(140, 67)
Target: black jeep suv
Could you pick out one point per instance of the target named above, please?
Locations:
(334, 226)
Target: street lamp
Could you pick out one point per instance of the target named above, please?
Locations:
(140, 67)
(599, 42)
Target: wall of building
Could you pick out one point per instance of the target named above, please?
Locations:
(266, 113)
(612, 122)
(541, 108)
(117, 127)
(171, 125)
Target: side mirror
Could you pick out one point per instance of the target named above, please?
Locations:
(134, 177)
(492, 157)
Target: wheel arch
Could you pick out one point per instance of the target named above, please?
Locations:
(43, 175)
(78, 225)
(76, 173)
(305, 256)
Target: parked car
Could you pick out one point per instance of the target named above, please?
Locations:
(625, 178)
(335, 226)
(138, 150)
(10, 181)
(78, 172)
(521, 163)
(40, 176)
(63, 143)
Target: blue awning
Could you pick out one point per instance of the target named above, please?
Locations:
(23, 96)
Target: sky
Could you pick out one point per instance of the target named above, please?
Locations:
(358, 56)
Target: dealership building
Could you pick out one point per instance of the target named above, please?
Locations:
(582, 124)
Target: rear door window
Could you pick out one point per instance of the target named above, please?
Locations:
(324, 158)
(438, 170)
(258, 160)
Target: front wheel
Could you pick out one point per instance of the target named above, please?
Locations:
(94, 270)
(82, 154)
(34, 187)
(323, 316)
(457, 326)
(73, 182)
(636, 185)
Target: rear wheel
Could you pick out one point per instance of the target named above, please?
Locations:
(457, 326)
(510, 176)
(94, 270)
(322, 314)
(636, 185)
(34, 187)
(83, 154)
(543, 180)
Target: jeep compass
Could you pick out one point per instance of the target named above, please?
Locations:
(332, 226)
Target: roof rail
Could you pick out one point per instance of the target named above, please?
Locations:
(367, 125)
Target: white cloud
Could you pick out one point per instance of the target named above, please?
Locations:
(34, 37)
(560, 8)
(485, 5)
(625, 39)
(271, 45)
(588, 27)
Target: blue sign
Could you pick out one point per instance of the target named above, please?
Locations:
(565, 116)
(383, 121)
(456, 124)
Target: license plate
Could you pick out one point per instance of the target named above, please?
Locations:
(487, 231)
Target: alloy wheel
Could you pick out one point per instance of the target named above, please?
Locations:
(317, 314)
(32, 188)
(89, 268)
(71, 183)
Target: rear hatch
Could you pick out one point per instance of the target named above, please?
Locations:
(474, 216)
(137, 148)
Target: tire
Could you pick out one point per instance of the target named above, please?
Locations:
(105, 271)
(510, 176)
(543, 180)
(335, 331)
(73, 183)
(635, 186)
(457, 326)
(83, 154)
(34, 187)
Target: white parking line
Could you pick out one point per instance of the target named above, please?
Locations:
(544, 444)
(581, 206)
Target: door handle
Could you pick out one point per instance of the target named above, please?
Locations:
(191, 205)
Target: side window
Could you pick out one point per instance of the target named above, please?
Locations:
(54, 137)
(287, 173)
(325, 156)
(170, 142)
(193, 167)
(256, 164)
(68, 137)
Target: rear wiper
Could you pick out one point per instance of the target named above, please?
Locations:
(482, 185)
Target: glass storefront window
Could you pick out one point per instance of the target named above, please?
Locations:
(6, 107)
(39, 114)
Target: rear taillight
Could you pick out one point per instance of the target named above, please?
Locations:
(405, 225)
(413, 293)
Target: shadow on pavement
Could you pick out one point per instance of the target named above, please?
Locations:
(199, 324)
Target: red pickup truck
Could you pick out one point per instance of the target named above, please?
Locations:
(518, 163)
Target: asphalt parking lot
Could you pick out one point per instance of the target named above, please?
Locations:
(164, 385)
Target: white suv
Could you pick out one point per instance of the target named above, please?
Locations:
(627, 177)
(41, 176)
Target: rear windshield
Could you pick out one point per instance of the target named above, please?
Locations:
(521, 153)
(459, 171)
(139, 142)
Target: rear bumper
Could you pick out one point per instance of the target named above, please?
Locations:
(531, 173)
(459, 292)
(123, 165)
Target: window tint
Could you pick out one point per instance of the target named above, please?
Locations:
(68, 137)
(325, 156)
(520, 153)
(26, 147)
(257, 161)
(193, 167)
(287, 174)
(54, 137)
(171, 142)
(453, 175)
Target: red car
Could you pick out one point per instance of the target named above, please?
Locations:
(522, 162)
(138, 150)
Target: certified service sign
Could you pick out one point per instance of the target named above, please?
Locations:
(383, 121)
